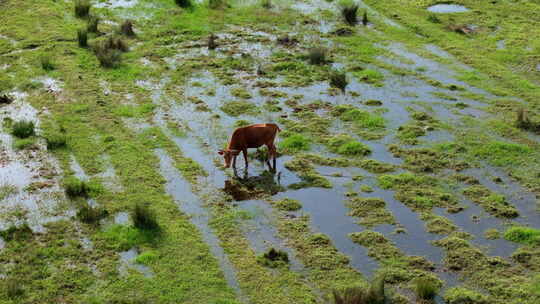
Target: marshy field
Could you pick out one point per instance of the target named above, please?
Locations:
(408, 166)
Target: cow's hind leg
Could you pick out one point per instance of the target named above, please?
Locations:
(245, 152)
(272, 155)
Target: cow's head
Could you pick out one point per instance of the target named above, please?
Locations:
(228, 156)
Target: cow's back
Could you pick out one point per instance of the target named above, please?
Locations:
(253, 136)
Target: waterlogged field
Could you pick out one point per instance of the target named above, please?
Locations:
(408, 168)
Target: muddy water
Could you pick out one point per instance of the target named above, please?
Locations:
(32, 173)
(261, 232)
(190, 204)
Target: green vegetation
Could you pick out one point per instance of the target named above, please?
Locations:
(82, 8)
(317, 56)
(294, 143)
(458, 295)
(287, 204)
(76, 187)
(371, 211)
(237, 108)
(90, 214)
(82, 37)
(345, 145)
(349, 12)
(274, 258)
(425, 289)
(493, 203)
(502, 153)
(144, 218)
(523, 235)
(23, 129)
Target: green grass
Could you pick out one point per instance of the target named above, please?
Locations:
(237, 108)
(294, 143)
(523, 235)
(346, 145)
(287, 204)
(23, 129)
(502, 153)
(23, 143)
(425, 289)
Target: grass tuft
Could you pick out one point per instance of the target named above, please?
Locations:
(90, 215)
(82, 37)
(184, 3)
(425, 289)
(82, 8)
(317, 56)
(267, 4)
(92, 26)
(144, 218)
(126, 28)
(349, 12)
(274, 258)
(75, 187)
(374, 294)
(338, 79)
(295, 143)
(23, 129)
(55, 141)
(46, 63)
(14, 289)
(523, 235)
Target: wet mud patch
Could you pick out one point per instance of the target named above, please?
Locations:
(29, 175)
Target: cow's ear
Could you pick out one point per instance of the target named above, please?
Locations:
(220, 152)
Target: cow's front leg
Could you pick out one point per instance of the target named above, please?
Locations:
(245, 152)
(234, 162)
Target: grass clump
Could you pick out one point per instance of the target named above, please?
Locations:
(361, 118)
(82, 8)
(267, 4)
(287, 204)
(89, 214)
(55, 141)
(274, 258)
(24, 143)
(345, 145)
(338, 79)
(46, 63)
(144, 218)
(14, 289)
(460, 295)
(370, 76)
(82, 37)
(425, 289)
(75, 187)
(23, 129)
(109, 51)
(374, 294)
(317, 56)
(493, 203)
(371, 211)
(295, 143)
(92, 26)
(349, 12)
(183, 3)
(501, 153)
(7, 190)
(239, 107)
(126, 28)
(523, 235)
(21, 232)
(217, 4)
(523, 121)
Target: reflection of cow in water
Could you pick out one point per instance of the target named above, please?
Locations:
(252, 136)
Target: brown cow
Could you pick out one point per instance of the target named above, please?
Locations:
(252, 136)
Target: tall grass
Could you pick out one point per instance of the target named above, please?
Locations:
(46, 63)
(89, 214)
(349, 12)
(82, 8)
(317, 56)
(82, 37)
(92, 26)
(23, 129)
(374, 294)
(184, 3)
(338, 79)
(425, 289)
(144, 218)
(126, 28)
